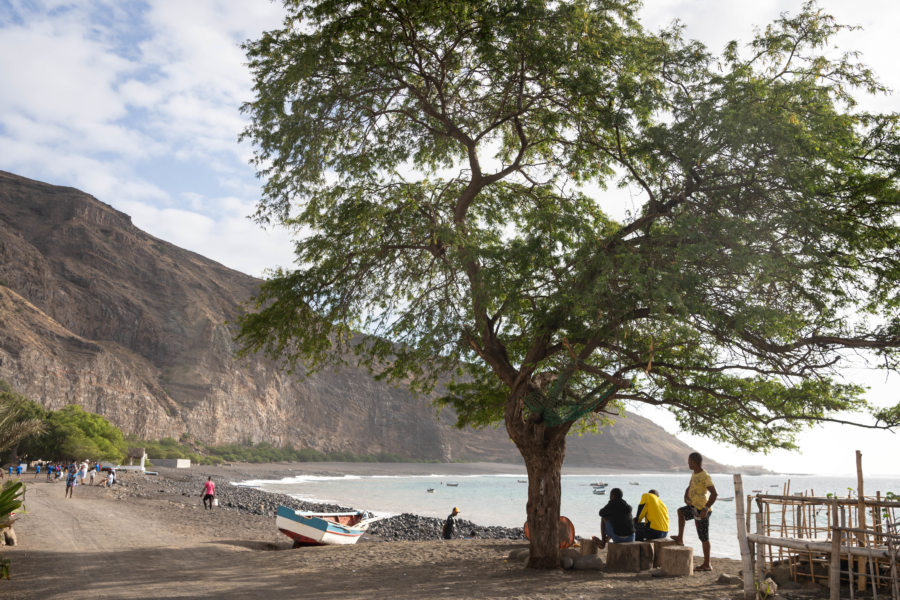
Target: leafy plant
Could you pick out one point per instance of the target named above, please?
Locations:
(18, 419)
(11, 498)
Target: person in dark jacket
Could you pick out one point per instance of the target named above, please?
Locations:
(450, 525)
(616, 520)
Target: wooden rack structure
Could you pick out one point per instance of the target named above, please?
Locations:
(827, 540)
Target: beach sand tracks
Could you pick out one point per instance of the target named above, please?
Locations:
(97, 547)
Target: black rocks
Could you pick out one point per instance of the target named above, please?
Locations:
(404, 527)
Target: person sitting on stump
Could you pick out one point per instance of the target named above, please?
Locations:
(616, 520)
(652, 521)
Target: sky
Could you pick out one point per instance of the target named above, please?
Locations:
(138, 104)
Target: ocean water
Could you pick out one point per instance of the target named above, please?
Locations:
(501, 499)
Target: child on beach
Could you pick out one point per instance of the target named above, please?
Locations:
(699, 497)
(616, 520)
(71, 482)
(652, 520)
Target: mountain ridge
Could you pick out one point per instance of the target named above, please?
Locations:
(99, 313)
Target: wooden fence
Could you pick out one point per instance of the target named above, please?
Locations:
(826, 540)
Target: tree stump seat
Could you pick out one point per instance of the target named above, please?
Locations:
(658, 545)
(677, 561)
(629, 557)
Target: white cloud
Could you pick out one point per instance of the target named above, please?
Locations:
(138, 104)
(232, 240)
(59, 76)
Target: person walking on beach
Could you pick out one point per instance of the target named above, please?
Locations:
(451, 525)
(209, 493)
(652, 521)
(71, 482)
(616, 520)
(699, 497)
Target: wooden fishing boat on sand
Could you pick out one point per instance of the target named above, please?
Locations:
(322, 529)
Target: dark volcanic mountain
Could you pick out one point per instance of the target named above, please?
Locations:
(94, 311)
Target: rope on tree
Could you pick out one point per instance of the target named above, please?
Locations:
(554, 410)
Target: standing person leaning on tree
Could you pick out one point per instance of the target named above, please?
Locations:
(699, 497)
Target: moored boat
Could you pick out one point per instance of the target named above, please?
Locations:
(322, 529)
(600, 491)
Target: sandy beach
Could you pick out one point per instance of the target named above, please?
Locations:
(140, 542)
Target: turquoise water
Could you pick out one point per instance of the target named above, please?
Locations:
(500, 499)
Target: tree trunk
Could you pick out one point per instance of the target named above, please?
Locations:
(543, 447)
(544, 465)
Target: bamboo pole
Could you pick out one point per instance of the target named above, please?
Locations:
(861, 520)
(809, 546)
(749, 510)
(895, 587)
(874, 578)
(834, 570)
(746, 554)
(871, 503)
(845, 518)
(760, 572)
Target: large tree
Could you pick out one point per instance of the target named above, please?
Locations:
(443, 164)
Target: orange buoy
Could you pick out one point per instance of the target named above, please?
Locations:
(566, 532)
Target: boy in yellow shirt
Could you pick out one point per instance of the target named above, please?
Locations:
(699, 497)
(652, 521)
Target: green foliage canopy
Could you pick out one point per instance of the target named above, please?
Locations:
(19, 418)
(73, 433)
(441, 163)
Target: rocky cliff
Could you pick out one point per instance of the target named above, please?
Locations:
(96, 312)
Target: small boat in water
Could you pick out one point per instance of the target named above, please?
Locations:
(452, 484)
(522, 480)
(633, 483)
(322, 529)
(727, 499)
(600, 491)
(430, 490)
(599, 484)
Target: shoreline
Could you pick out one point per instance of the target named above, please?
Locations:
(276, 470)
(150, 538)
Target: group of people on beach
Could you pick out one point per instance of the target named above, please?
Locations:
(619, 524)
(74, 475)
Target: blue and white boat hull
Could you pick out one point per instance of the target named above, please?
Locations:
(308, 528)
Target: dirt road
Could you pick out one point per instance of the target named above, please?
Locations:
(92, 546)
